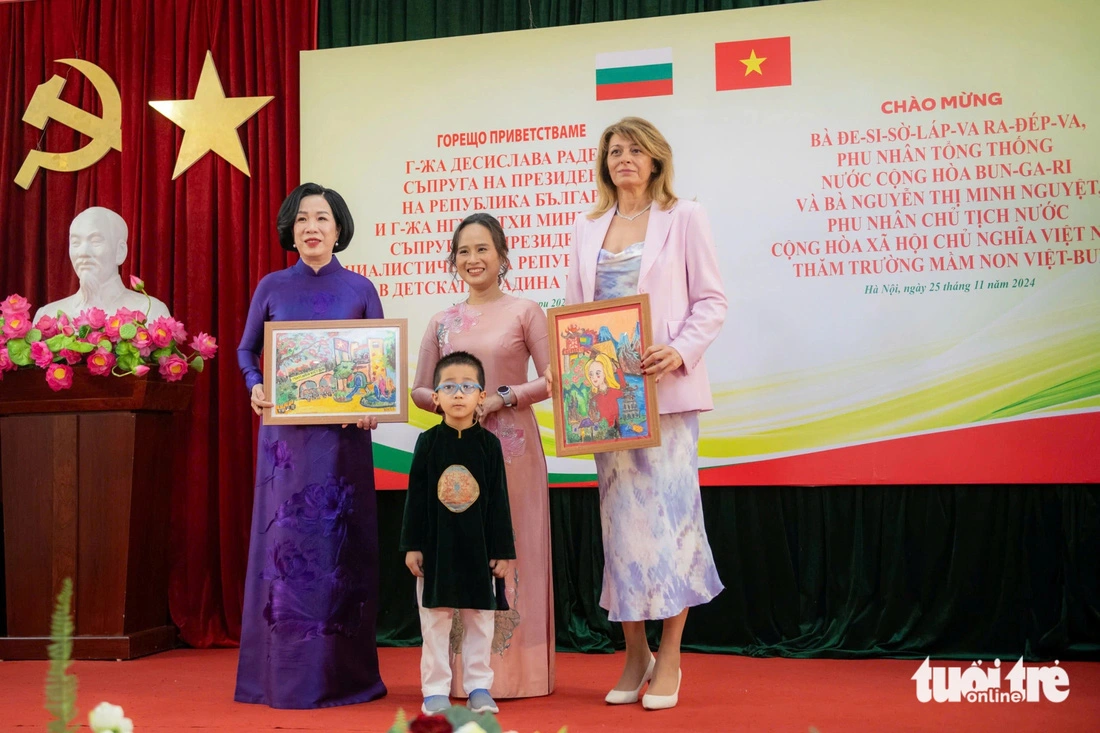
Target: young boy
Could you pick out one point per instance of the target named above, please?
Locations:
(457, 534)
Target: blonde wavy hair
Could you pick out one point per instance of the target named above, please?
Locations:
(608, 370)
(654, 144)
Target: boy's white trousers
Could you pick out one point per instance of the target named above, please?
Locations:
(435, 656)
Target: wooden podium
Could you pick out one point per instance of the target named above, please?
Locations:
(86, 479)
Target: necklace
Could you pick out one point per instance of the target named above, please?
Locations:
(635, 216)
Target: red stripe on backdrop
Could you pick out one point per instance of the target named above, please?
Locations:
(659, 88)
(201, 242)
(1046, 450)
(384, 479)
(1042, 450)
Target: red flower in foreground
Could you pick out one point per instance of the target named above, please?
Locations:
(429, 724)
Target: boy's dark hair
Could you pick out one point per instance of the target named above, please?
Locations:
(456, 358)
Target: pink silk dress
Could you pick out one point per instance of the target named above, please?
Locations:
(506, 335)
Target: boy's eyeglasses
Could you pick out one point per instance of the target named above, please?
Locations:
(450, 388)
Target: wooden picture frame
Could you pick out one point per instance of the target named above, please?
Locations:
(602, 400)
(335, 372)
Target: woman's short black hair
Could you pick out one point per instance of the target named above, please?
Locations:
(288, 212)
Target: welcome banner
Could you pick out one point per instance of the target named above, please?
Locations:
(904, 195)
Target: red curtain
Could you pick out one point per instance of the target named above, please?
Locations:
(201, 242)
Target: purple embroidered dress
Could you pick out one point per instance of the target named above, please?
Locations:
(311, 589)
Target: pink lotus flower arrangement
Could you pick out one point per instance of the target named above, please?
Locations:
(120, 344)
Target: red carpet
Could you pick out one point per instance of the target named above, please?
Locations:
(191, 690)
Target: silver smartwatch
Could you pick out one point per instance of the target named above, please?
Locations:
(506, 395)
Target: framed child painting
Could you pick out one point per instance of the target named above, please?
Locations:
(602, 400)
(327, 372)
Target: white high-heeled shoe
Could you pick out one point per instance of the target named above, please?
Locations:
(663, 702)
(626, 697)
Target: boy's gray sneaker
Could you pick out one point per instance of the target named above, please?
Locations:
(436, 704)
(482, 702)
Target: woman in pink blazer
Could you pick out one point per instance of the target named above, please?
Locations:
(641, 239)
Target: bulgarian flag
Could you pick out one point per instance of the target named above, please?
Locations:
(629, 74)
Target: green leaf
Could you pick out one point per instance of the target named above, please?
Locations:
(20, 352)
(161, 353)
(127, 362)
(127, 331)
(33, 335)
(59, 342)
(460, 715)
(105, 344)
(125, 348)
(60, 685)
(82, 347)
(400, 723)
(198, 364)
(84, 331)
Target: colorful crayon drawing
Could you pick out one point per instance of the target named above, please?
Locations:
(337, 373)
(605, 401)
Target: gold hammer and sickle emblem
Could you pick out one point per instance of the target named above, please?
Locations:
(105, 132)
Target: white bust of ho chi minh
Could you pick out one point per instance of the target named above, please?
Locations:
(97, 247)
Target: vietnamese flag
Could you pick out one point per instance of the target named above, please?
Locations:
(761, 62)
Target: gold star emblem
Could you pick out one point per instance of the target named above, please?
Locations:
(210, 121)
(752, 63)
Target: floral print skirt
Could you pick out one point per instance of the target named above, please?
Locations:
(657, 560)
